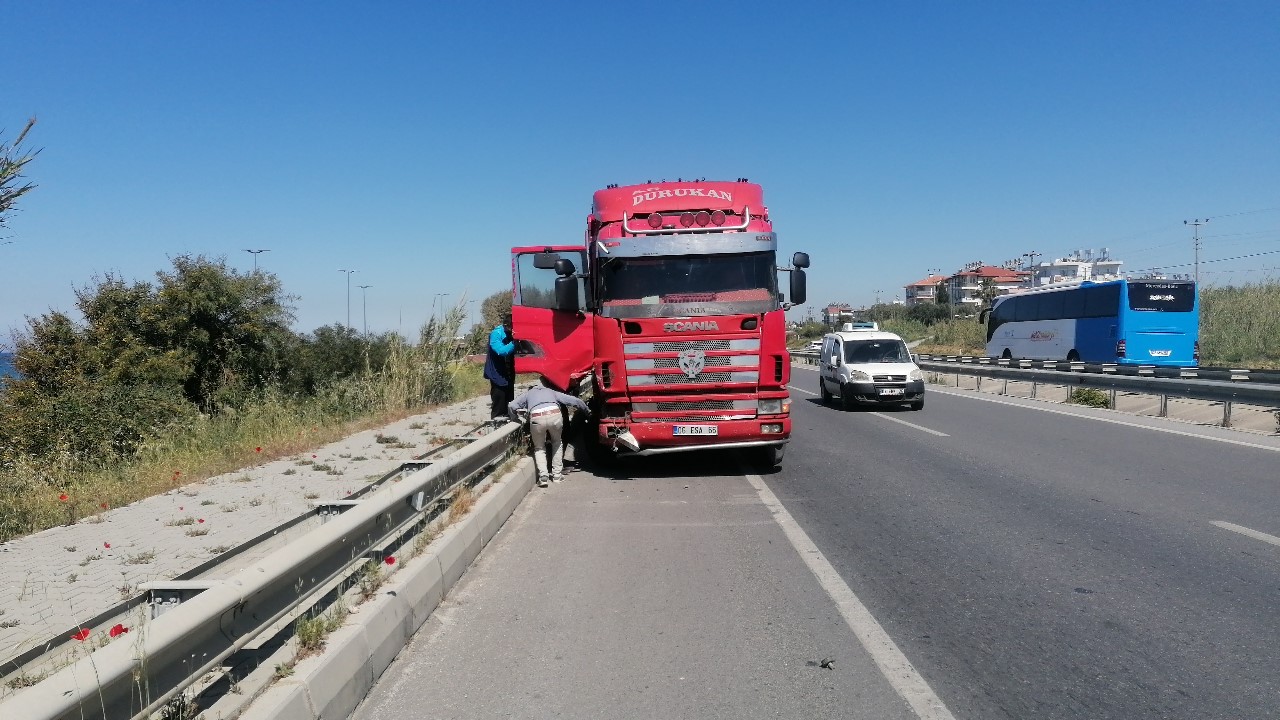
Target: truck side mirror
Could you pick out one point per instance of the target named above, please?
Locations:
(546, 260)
(800, 260)
(567, 292)
(799, 290)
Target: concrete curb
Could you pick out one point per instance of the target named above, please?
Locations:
(333, 683)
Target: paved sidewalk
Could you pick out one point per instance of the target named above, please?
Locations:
(50, 580)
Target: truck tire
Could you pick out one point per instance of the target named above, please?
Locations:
(770, 458)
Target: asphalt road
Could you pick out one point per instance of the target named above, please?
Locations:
(1029, 560)
(1037, 564)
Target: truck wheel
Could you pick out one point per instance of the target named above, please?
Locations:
(826, 396)
(770, 458)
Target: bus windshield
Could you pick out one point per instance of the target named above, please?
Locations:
(688, 285)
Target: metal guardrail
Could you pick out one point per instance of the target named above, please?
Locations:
(196, 627)
(1105, 377)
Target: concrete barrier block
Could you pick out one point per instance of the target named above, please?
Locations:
(386, 621)
(285, 700)
(340, 677)
(450, 550)
(421, 585)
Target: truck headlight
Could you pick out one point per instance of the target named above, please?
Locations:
(859, 376)
(915, 375)
(770, 407)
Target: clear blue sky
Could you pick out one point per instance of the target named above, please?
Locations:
(417, 142)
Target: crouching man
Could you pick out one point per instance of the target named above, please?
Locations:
(543, 405)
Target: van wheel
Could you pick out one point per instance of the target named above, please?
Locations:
(1073, 356)
(1006, 355)
(917, 404)
(846, 399)
(822, 387)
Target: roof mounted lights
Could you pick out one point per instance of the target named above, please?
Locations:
(655, 220)
(686, 219)
(702, 218)
(717, 217)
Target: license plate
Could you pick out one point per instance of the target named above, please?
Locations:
(891, 391)
(695, 430)
(1160, 353)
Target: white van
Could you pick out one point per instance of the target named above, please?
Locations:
(869, 367)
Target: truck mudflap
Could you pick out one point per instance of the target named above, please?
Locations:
(654, 438)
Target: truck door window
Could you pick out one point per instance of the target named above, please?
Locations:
(536, 287)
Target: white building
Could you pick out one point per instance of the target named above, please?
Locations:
(1078, 267)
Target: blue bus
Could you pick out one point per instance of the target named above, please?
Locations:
(1129, 322)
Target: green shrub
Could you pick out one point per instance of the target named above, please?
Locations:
(1090, 397)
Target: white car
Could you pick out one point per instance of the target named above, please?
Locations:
(869, 367)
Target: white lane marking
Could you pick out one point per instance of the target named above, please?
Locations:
(1170, 431)
(909, 424)
(1247, 531)
(895, 666)
(881, 415)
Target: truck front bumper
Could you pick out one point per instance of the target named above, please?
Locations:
(656, 438)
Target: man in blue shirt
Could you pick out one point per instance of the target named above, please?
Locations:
(500, 368)
(546, 425)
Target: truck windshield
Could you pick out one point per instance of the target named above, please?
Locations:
(689, 285)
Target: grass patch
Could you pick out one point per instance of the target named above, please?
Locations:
(142, 558)
(180, 522)
(197, 532)
(311, 632)
(463, 500)
(289, 471)
(414, 380)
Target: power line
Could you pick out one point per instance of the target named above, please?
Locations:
(1206, 262)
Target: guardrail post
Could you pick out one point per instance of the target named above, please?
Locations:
(1113, 398)
(1226, 413)
(1004, 388)
(1164, 405)
(978, 382)
(1034, 385)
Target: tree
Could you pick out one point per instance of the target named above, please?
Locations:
(12, 161)
(492, 309)
(941, 296)
(988, 292)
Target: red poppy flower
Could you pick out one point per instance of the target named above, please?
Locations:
(82, 635)
(103, 506)
(257, 449)
(313, 456)
(63, 497)
(106, 545)
(390, 559)
(179, 507)
(201, 520)
(117, 630)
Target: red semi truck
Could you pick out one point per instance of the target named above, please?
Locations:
(668, 319)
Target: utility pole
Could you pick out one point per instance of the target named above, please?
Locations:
(442, 296)
(364, 307)
(348, 272)
(256, 253)
(1195, 238)
(1031, 266)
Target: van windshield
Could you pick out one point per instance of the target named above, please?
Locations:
(876, 351)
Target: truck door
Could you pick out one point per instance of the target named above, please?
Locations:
(557, 344)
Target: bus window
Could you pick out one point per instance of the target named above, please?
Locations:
(1027, 308)
(1102, 301)
(1051, 306)
(1073, 304)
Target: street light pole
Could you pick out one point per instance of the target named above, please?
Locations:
(348, 272)
(442, 296)
(364, 307)
(255, 254)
